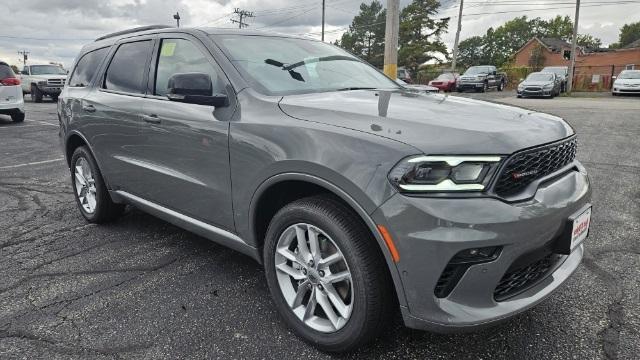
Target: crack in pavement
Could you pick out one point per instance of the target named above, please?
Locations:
(610, 335)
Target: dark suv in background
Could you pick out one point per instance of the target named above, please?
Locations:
(359, 197)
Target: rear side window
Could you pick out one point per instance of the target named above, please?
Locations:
(128, 67)
(6, 71)
(87, 67)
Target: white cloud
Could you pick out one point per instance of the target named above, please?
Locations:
(55, 30)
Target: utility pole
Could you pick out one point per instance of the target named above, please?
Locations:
(455, 44)
(242, 14)
(25, 56)
(323, 20)
(391, 39)
(177, 17)
(573, 48)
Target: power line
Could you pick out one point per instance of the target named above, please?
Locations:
(242, 14)
(289, 18)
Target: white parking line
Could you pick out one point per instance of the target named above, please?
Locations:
(31, 163)
(42, 122)
(18, 126)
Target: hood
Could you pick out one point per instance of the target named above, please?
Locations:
(627, 82)
(432, 123)
(536, 83)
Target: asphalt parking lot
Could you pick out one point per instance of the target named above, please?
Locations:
(142, 288)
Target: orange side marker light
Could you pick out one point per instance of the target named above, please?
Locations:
(395, 255)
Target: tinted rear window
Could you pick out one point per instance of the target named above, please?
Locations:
(6, 71)
(128, 67)
(87, 67)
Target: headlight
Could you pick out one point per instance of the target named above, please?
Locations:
(548, 86)
(444, 173)
(520, 87)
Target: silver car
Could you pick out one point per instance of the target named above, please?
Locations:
(540, 84)
(361, 199)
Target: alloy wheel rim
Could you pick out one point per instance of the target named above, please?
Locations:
(85, 185)
(314, 278)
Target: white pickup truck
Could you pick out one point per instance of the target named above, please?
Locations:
(43, 80)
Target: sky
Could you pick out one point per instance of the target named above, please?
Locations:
(55, 30)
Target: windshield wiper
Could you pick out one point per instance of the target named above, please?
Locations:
(294, 74)
(356, 88)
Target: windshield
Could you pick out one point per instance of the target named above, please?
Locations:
(281, 66)
(629, 75)
(540, 77)
(556, 70)
(474, 70)
(47, 70)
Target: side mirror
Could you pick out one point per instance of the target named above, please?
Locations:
(614, 77)
(194, 88)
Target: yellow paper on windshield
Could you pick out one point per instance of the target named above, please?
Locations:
(167, 49)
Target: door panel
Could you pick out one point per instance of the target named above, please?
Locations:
(185, 157)
(186, 160)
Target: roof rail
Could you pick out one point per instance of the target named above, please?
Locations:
(133, 30)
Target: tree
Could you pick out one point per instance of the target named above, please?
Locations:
(471, 51)
(420, 34)
(497, 46)
(365, 37)
(628, 34)
(15, 69)
(588, 41)
(536, 60)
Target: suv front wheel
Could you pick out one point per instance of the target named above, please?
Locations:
(328, 280)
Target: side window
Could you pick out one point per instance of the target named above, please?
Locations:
(87, 67)
(25, 70)
(181, 56)
(128, 67)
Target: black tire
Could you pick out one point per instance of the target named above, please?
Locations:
(105, 210)
(485, 87)
(17, 116)
(373, 302)
(501, 86)
(36, 94)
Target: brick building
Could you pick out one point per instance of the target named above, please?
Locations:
(557, 52)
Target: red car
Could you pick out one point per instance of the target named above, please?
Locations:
(445, 82)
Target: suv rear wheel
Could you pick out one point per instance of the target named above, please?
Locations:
(327, 280)
(89, 189)
(17, 116)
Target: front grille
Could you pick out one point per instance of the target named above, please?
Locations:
(59, 82)
(524, 167)
(524, 277)
(534, 89)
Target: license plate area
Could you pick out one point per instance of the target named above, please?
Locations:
(576, 229)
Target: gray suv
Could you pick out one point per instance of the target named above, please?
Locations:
(360, 197)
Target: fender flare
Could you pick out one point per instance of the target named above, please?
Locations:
(71, 133)
(368, 220)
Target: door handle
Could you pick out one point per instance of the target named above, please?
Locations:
(151, 119)
(89, 108)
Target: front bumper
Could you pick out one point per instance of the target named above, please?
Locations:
(429, 231)
(470, 85)
(619, 89)
(535, 93)
(50, 90)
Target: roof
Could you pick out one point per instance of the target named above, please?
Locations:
(555, 44)
(635, 44)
